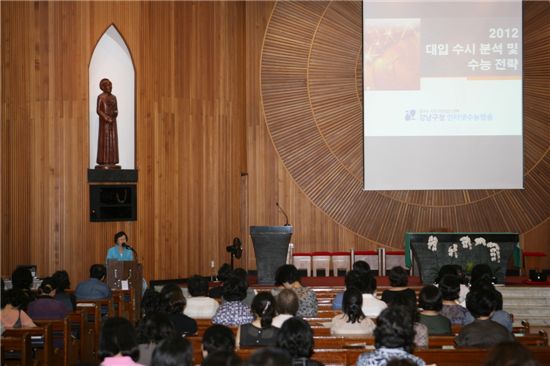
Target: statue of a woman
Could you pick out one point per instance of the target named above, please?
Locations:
(107, 109)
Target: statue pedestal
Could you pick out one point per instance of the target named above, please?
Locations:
(108, 167)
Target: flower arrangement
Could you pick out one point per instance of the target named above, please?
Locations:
(466, 243)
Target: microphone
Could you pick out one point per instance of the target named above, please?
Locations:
(284, 213)
(125, 245)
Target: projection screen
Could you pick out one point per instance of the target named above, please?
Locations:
(442, 87)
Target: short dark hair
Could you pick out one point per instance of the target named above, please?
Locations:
(234, 288)
(21, 278)
(15, 297)
(449, 287)
(61, 279)
(361, 266)
(287, 302)
(481, 302)
(173, 351)
(452, 269)
(218, 338)
(98, 271)
(351, 305)
(286, 274)
(222, 358)
(120, 234)
(151, 302)
(173, 298)
(241, 272)
(487, 286)
(398, 276)
(510, 354)
(224, 272)
(118, 336)
(263, 305)
(482, 273)
(296, 337)
(430, 298)
(197, 286)
(270, 356)
(154, 328)
(369, 282)
(47, 286)
(394, 328)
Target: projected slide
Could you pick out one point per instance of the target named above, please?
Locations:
(442, 94)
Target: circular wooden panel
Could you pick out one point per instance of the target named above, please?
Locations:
(312, 98)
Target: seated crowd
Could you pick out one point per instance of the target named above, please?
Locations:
(274, 320)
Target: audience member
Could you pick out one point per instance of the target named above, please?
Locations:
(150, 332)
(359, 266)
(287, 276)
(199, 305)
(296, 337)
(173, 351)
(455, 269)
(233, 311)
(393, 338)
(287, 305)
(510, 354)
(371, 305)
(151, 303)
(218, 338)
(21, 279)
(222, 359)
(11, 314)
(399, 280)
(483, 332)
(431, 302)
(117, 343)
(482, 272)
(62, 283)
(420, 330)
(500, 316)
(250, 292)
(260, 332)
(46, 306)
(175, 303)
(224, 272)
(352, 321)
(270, 356)
(450, 289)
(94, 288)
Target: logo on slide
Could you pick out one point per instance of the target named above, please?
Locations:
(409, 114)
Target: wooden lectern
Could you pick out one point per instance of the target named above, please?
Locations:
(126, 275)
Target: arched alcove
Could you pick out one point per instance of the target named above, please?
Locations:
(111, 59)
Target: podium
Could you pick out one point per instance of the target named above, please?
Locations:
(126, 275)
(271, 247)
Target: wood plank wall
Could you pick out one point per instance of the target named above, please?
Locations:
(200, 124)
(190, 133)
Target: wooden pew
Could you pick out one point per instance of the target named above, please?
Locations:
(94, 317)
(44, 352)
(79, 326)
(473, 356)
(20, 345)
(64, 353)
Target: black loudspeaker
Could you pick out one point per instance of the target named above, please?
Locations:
(113, 202)
(536, 276)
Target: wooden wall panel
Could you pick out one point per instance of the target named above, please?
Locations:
(309, 77)
(203, 113)
(190, 133)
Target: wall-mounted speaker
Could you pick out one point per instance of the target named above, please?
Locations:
(113, 202)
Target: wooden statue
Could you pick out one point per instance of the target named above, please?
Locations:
(107, 109)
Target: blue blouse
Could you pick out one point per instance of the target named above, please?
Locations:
(113, 253)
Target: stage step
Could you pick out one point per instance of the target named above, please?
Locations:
(528, 303)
